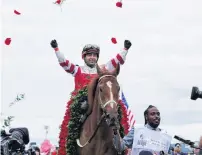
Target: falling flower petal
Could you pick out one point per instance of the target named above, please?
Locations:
(58, 2)
(114, 40)
(119, 4)
(8, 41)
(16, 12)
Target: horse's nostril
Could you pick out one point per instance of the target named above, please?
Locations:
(113, 119)
(107, 115)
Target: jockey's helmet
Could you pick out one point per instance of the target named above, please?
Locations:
(91, 48)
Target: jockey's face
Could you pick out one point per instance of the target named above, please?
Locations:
(91, 59)
(153, 117)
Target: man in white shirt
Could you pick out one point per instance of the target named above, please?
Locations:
(146, 139)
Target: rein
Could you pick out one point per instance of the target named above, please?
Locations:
(103, 105)
(98, 125)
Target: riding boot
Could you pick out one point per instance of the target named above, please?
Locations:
(84, 107)
(83, 118)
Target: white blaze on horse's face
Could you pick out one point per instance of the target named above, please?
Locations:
(109, 84)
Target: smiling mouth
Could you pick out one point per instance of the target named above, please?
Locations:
(92, 61)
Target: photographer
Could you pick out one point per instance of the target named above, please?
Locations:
(196, 93)
(14, 142)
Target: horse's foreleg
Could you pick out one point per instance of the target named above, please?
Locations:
(111, 151)
(87, 151)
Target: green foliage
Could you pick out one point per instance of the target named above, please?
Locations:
(74, 125)
(7, 121)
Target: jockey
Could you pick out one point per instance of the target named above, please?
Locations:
(90, 54)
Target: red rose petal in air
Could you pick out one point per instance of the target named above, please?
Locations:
(58, 2)
(114, 40)
(8, 41)
(16, 12)
(119, 4)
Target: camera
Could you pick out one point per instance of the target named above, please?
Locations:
(13, 143)
(196, 93)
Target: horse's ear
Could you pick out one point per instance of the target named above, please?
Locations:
(116, 70)
(99, 70)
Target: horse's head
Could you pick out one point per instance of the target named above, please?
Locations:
(108, 94)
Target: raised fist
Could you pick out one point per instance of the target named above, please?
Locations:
(127, 44)
(54, 44)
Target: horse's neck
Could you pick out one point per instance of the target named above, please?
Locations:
(96, 118)
(105, 132)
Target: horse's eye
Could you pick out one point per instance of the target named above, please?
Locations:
(118, 88)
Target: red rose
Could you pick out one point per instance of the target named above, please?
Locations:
(119, 4)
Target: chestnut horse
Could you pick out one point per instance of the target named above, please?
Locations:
(96, 137)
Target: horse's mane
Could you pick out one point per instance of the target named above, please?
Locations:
(92, 89)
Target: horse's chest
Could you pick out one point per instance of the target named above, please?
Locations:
(104, 149)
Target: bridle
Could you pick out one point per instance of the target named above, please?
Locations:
(103, 105)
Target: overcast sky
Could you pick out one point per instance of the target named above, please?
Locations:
(163, 64)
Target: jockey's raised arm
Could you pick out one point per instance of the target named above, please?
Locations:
(73, 69)
(64, 63)
(120, 57)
